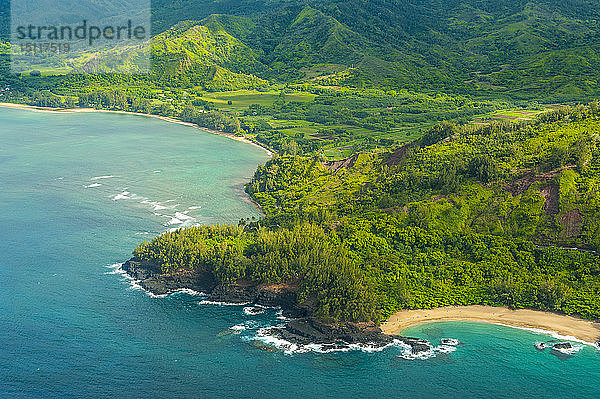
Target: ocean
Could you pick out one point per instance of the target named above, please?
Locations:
(78, 191)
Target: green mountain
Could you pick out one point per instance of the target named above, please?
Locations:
(191, 53)
(515, 49)
(543, 50)
(201, 53)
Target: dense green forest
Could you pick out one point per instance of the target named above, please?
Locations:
(500, 214)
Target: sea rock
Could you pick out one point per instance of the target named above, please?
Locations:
(310, 330)
(151, 278)
(302, 330)
(562, 345)
(450, 342)
(260, 295)
(540, 346)
(264, 347)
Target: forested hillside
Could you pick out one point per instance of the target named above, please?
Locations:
(466, 215)
(423, 158)
(522, 49)
(543, 51)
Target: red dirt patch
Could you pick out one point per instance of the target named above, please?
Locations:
(572, 223)
(521, 185)
(551, 195)
(397, 156)
(342, 165)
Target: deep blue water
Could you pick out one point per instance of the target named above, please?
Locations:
(71, 327)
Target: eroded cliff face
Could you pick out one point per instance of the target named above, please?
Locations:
(151, 278)
(304, 329)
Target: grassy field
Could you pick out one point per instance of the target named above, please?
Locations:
(242, 99)
(510, 115)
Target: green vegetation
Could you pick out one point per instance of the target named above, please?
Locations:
(311, 119)
(467, 215)
(421, 159)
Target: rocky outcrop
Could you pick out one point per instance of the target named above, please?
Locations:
(551, 198)
(341, 165)
(302, 330)
(562, 345)
(397, 156)
(572, 224)
(310, 330)
(152, 279)
(259, 294)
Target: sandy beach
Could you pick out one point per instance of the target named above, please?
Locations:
(164, 118)
(584, 330)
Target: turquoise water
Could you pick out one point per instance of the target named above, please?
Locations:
(71, 327)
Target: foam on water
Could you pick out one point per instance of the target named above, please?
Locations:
(254, 310)
(135, 286)
(93, 185)
(117, 268)
(123, 195)
(279, 315)
(569, 351)
(189, 291)
(450, 341)
(552, 334)
(183, 216)
(103, 177)
(217, 303)
(186, 220)
(173, 221)
(156, 205)
(238, 328)
(269, 337)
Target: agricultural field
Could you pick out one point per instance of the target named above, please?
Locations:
(515, 115)
(239, 100)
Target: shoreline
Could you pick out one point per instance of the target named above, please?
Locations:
(241, 139)
(300, 329)
(534, 320)
(245, 196)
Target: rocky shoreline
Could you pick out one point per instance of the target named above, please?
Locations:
(301, 330)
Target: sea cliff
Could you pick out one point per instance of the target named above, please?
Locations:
(302, 328)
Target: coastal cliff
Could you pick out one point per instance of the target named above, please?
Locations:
(302, 329)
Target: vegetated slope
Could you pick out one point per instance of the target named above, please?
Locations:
(529, 181)
(467, 216)
(523, 50)
(166, 13)
(191, 53)
(517, 48)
